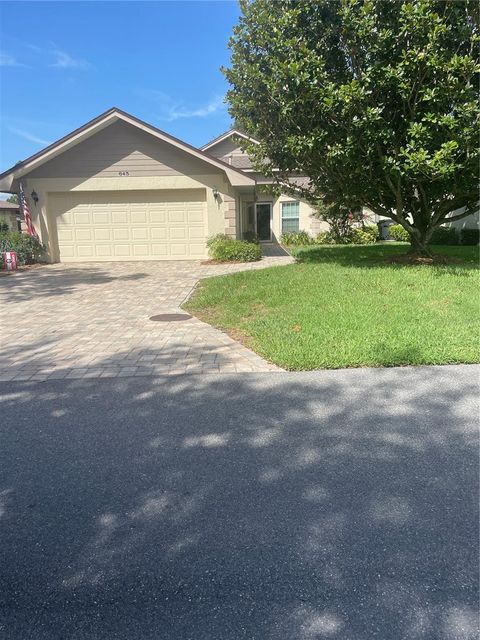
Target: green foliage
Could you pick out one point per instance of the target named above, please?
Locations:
(225, 249)
(13, 198)
(27, 248)
(340, 219)
(398, 233)
(469, 237)
(3, 225)
(324, 237)
(375, 101)
(357, 235)
(296, 238)
(445, 236)
(251, 236)
(364, 235)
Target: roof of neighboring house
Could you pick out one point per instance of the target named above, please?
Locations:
(9, 205)
(112, 115)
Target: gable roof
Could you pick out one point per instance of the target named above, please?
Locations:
(225, 136)
(235, 176)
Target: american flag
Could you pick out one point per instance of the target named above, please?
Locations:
(26, 214)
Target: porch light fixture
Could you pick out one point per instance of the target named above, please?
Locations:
(215, 193)
(34, 196)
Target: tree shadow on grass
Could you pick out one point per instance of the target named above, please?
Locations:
(276, 506)
(376, 256)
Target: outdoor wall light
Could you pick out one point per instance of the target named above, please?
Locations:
(215, 193)
(34, 196)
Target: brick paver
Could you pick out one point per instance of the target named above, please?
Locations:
(92, 320)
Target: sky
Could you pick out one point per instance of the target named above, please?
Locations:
(64, 63)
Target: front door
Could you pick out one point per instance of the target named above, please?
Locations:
(263, 211)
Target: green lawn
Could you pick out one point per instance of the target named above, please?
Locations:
(346, 307)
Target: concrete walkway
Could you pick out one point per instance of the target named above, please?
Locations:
(81, 321)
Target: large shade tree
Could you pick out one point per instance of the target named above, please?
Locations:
(376, 101)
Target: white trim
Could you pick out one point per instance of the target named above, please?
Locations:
(281, 213)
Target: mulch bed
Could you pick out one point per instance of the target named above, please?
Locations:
(415, 259)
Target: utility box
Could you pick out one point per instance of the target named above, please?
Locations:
(384, 229)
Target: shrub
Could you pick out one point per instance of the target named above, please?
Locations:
(398, 233)
(27, 248)
(444, 235)
(220, 238)
(360, 236)
(371, 230)
(324, 237)
(225, 249)
(296, 238)
(469, 236)
(251, 236)
(3, 225)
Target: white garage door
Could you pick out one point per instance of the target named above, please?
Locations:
(130, 225)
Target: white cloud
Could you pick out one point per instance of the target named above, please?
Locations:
(214, 106)
(6, 60)
(64, 60)
(174, 110)
(28, 136)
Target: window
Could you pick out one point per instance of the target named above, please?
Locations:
(290, 216)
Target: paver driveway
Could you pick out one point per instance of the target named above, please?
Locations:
(74, 321)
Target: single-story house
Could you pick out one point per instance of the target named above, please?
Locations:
(118, 188)
(9, 213)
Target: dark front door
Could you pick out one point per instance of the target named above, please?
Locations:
(264, 214)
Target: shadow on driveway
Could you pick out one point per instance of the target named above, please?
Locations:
(266, 506)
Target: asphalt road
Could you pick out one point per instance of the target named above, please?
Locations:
(258, 506)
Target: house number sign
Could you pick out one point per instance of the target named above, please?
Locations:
(124, 173)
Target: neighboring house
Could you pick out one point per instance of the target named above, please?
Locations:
(9, 213)
(120, 189)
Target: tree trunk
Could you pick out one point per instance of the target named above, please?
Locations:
(418, 244)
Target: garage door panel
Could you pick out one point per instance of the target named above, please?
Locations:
(195, 233)
(101, 217)
(194, 216)
(119, 217)
(66, 235)
(83, 234)
(102, 234)
(130, 225)
(141, 233)
(158, 217)
(159, 250)
(142, 250)
(178, 233)
(179, 250)
(103, 251)
(121, 234)
(81, 217)
(138, 217)
(121, 249)
(85, 250)
(177, 217)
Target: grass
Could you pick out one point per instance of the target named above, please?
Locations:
(345, 306)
